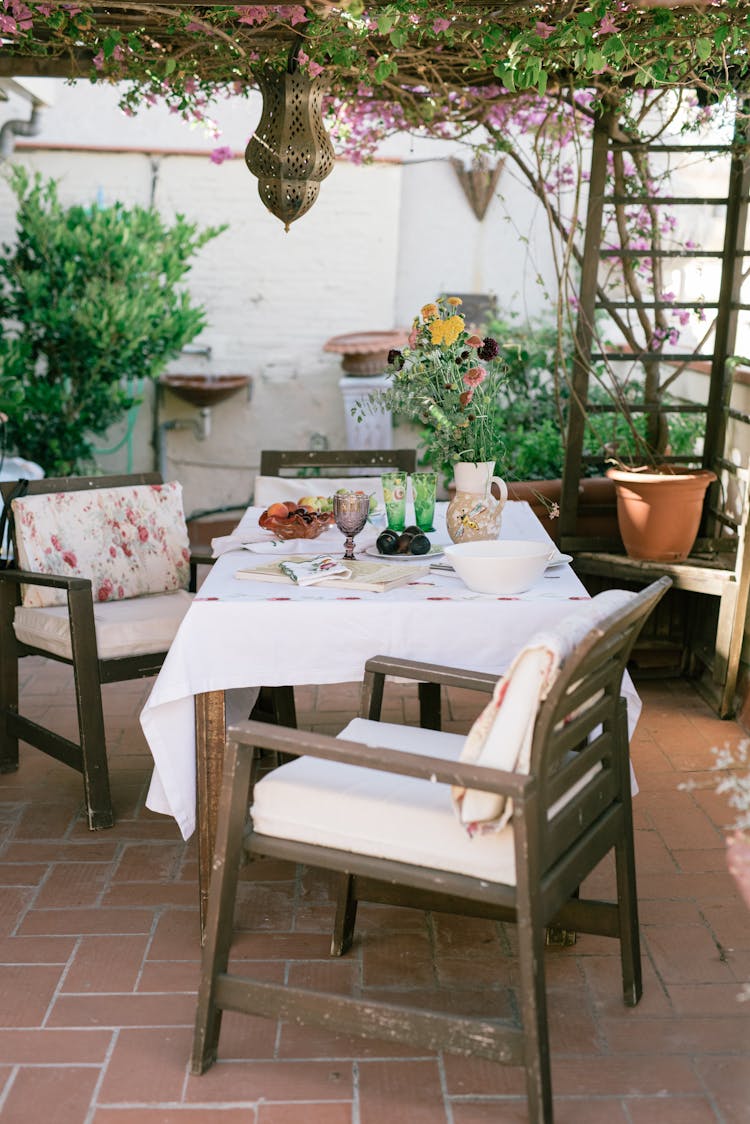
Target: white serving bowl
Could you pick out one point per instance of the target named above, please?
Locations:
(499, 566)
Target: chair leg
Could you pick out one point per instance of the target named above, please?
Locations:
(532, 985)
(627, 902)
(346, 915)
(430, 717)
(88, 690)
(8, 678)
(221, 900)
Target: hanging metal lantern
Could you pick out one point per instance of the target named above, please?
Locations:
(290, 152)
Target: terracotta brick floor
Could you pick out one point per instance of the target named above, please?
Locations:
(99, 958)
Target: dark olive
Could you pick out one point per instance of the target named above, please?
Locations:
(404, 542)
(420, 544)
(412, 531)
(387, 542)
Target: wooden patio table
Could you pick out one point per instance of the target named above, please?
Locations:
(239, 634)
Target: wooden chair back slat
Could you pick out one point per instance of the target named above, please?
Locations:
(274, 462)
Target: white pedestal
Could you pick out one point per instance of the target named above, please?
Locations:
(375, 431)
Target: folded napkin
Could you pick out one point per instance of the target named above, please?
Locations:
(249, 535)
(317, 569)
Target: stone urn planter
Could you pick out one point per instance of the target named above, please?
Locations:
(366, 353)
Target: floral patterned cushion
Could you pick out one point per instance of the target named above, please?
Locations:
(129, 541)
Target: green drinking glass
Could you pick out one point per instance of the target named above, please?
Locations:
(424, 488)
(394, 494)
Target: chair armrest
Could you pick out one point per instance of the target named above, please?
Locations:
(51, 581)
(432, 673)
(285, 740)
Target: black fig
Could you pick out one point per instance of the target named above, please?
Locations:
(387, 542)
(420, 544)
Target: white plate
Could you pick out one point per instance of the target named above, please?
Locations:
(559, 560)
(433, 552)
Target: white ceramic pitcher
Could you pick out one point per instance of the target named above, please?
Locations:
(474, 512)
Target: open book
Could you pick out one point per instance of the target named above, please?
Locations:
(375, 576)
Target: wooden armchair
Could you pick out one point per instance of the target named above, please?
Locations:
(388, 828)
(125, 539)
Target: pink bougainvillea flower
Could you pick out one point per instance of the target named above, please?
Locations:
(475, 376)
(313, 68)
(253, 14)
(220, 154)
(607, 26)
(44, 9)
(295, 13)
(440, 25)
(8, 25)
(544, 30)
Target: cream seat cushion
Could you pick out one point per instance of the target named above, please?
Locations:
(123, 628)
(385, 815)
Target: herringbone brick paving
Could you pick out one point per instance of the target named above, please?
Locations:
(99, 957)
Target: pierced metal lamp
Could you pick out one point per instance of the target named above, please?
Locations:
(290, 151)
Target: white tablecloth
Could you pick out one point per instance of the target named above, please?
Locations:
(241, 634)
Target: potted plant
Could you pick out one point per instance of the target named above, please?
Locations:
(447, 379)
(532, 419)
(90, 306)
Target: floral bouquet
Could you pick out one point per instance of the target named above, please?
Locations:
(448, 380)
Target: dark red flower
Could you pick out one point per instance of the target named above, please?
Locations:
(395, 358)
(489, 349)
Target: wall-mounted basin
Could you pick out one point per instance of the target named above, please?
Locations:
(204, 390)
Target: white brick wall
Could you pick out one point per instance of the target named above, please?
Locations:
(379, 242)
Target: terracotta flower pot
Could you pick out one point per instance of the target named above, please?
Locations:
(659, 512)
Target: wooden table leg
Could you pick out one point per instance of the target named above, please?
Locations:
(210, 739)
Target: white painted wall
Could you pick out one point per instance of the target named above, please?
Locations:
(380, 241)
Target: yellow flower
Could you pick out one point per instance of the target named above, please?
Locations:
(429, 311)
(437, 331)
(455, 301)
(452, 329)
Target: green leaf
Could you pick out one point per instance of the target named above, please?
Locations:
(703, 48)
(506, 76)
(385, 22)
(595, 60)
(110, 43)
(399, 37)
